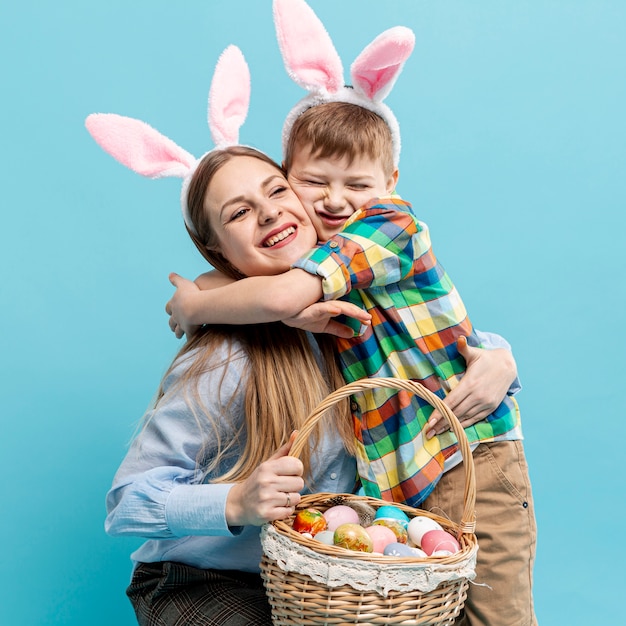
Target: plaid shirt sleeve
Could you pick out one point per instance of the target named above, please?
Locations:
(380, 245)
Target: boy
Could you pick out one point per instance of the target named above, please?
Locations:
(380, 259)
(338, 157)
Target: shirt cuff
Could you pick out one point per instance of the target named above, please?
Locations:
(199, 510)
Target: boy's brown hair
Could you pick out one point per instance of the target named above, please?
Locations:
(342, 129)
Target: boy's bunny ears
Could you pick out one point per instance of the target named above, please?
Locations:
(149, 153)
(313, 63)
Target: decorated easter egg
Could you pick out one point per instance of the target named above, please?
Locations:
(309, 521)
(398, 529)
(438, 540)
(381, 537)
(403, 550)
(353, 537)
(420, 525)
(393, 513)
(340, 514)
(326, 536)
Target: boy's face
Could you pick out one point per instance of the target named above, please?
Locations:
(332, 189)
(259, 223)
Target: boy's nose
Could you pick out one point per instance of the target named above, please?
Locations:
(334, 200)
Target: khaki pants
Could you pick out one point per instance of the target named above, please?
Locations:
(506, 533)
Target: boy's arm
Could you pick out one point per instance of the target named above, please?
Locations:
(316, 318)
(184, 289)
(252, 300)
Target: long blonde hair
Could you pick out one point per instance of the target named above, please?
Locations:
(283, 380)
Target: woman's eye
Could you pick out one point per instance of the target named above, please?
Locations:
(238, 213)
(277, 191)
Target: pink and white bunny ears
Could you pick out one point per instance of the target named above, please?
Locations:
(313, 63)
(144, 150)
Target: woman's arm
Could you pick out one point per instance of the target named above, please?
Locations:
(490, 375)
(158, 491)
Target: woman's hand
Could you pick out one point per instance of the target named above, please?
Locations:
(487, 378)
(270, 493)
(318, 318)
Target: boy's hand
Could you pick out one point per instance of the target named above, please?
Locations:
(488, 376)
(178, 308)
(318, 318)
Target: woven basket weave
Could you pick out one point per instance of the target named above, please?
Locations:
(299, 572)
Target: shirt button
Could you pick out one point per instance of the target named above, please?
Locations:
(333, 475)
(354, 406)
(333, 244)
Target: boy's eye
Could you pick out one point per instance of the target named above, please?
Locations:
(359, 186)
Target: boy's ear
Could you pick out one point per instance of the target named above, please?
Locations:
(392, 181)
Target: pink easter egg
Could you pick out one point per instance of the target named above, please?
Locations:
(437, 540)
(381, 537)
(340, 514)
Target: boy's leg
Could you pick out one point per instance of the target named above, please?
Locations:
(506, 532)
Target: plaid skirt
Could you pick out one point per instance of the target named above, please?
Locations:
(175, 594)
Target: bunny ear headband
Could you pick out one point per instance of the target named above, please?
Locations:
(313, 63)
(144, 150)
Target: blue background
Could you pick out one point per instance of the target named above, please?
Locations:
(514, 148)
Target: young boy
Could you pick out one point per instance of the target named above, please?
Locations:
(377, 257)
(338, 157)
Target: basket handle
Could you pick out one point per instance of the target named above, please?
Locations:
(468, 520)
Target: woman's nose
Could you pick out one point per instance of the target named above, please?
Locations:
(268, 213)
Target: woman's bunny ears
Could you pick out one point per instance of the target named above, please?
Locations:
(313, 63)
(144, 150)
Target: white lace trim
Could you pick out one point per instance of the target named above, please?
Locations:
(362, 575)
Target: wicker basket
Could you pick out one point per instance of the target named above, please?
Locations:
(310, 583)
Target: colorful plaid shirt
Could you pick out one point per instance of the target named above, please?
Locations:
(382, 261)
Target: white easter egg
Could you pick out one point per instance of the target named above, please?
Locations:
(420, 525)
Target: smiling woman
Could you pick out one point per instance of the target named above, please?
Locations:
(210, 465)
(244, 209)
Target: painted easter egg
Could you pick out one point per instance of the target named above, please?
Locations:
(381, 536)
(309, 521)
(326, 536)
(403, 550)
(340, 514)
(393, 513)
(398, 529)
(438, 540)
(420, 525)
(353, 537)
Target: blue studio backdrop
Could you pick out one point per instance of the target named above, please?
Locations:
(514, 144)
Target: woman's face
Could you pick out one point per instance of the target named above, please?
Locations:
(259, 223)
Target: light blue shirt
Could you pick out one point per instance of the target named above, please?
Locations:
(158, 493)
